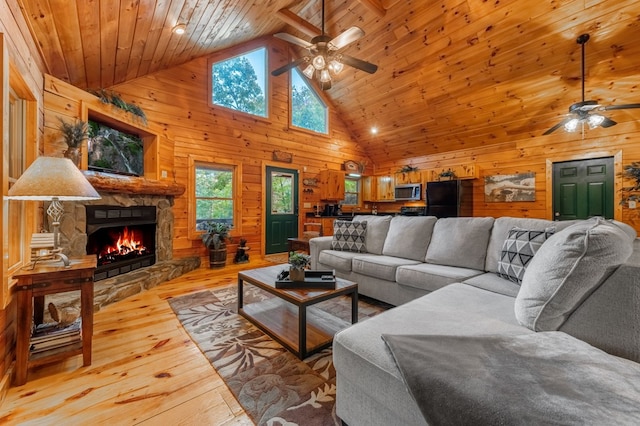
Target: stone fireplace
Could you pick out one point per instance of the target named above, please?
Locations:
(124, 199)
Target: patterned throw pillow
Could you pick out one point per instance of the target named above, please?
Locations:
(349, 236)
(518, 250)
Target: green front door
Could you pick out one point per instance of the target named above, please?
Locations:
(282, 208)
(583, 189)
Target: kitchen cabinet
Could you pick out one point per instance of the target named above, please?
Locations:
(331, 185)
(378, 188)
(414, 176)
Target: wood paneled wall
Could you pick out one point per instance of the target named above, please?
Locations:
(536, 154)
(176, 104)
(24, 60)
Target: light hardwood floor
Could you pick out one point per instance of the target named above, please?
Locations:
(145, 369)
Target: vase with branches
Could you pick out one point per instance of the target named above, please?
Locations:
(74, 133)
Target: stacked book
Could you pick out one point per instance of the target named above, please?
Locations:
(49, 336)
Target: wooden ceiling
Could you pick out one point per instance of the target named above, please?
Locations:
(452, 74)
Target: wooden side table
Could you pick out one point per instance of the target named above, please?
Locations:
(49, 278)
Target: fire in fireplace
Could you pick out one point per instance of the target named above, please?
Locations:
(122, 238)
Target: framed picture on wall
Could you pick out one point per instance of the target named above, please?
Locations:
(510, 188)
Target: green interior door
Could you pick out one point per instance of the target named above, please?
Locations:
(583, 189)
(282, 208)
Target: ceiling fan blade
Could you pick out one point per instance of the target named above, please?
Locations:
(358, 63)
(557, 126)
(627, 106)
(607, 122)
(289, 66)
(347, 37)
(293, 39)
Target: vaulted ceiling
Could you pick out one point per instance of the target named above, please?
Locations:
(452, 74)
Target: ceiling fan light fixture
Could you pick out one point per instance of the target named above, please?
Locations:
(309, 71)
(336, 66)
(571, 125)
(595, 120)
(325, 76)
(319, 62)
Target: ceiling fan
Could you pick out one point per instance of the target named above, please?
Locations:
(587, 111)
(325, 58)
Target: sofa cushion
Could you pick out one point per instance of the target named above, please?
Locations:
(518, 250)
(349, 236)
(409, 237)
(339, 260)
(383, 267)
(431, 277)
(492, 282)
(500, 232)
(460, 241)
(377, 228)
(567, 269)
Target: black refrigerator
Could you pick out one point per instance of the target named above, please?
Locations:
(449, 198)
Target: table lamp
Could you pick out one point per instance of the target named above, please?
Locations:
(53, 179)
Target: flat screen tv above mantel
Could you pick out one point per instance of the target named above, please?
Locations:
(112, 150)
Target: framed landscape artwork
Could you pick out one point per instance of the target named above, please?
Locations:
(510, 188)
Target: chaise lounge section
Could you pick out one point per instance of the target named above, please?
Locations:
(580, 293)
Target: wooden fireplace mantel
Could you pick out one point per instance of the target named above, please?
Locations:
(123, 184)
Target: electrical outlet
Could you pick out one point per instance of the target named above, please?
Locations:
(306, 205)
(632, 204)
(366, 206)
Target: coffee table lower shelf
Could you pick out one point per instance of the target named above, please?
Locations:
(284, 322)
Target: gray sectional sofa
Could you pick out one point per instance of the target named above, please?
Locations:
(433, 358)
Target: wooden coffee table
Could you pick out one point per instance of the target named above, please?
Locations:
(305, 330)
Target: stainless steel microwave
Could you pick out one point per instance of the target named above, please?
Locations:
(408, 192)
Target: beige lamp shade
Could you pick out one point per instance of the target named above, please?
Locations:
(52, 177)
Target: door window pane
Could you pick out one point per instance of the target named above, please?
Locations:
(281, 193)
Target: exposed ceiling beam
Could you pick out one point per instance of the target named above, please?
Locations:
(298, 23)
(375, 6)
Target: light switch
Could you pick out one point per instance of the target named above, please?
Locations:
(632, 204)
(306, 205)
(163, 174)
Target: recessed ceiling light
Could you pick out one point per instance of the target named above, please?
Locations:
(374, 130)
(179, 29)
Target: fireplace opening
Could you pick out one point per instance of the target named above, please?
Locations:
(122, 238)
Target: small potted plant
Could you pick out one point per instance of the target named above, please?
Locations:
(74, 134)
(214, 237)
(447, 175)
(298, 262)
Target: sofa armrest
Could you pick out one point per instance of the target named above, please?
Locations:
(316, 245)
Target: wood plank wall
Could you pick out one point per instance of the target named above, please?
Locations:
(25, 60)
(176, 104)
(534, 155)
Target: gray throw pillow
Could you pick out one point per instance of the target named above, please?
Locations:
(349, 236)
(518, 250)
(377, 229)
(568, 267)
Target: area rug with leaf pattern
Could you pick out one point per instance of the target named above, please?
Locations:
(273, 386)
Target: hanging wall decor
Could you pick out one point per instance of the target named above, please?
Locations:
(510, 188)
(285, 157)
